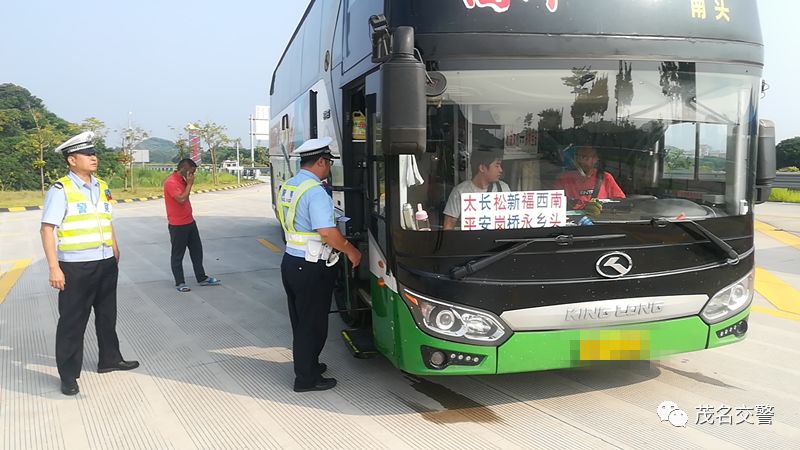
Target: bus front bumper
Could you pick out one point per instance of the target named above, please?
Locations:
(544, 350)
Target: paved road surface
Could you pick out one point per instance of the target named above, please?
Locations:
(216, 366)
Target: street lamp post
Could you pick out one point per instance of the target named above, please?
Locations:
(238, 165)
(252, 146)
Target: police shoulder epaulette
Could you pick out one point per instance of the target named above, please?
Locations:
(58, 185)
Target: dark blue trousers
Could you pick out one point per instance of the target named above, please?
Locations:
(88, 285)
(309, 289)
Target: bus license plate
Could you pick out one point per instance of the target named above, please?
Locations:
(614, 345)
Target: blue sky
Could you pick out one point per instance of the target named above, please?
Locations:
(169, 62)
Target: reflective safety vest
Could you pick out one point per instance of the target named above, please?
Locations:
(289, 198)
(86, 225)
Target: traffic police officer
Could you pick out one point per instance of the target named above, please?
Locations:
(83, 264)
(308, 269)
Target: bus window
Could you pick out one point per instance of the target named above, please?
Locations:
(713, 151)
(679, 144)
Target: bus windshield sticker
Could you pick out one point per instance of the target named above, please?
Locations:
(513, 210)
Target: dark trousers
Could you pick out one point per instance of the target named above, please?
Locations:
(88, 285)
(182, 237)
(309, 288)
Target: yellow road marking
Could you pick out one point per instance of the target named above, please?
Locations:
(776, 313)
(777, 292)
(782, 236)
(269, 245)
(17, 209)
(9, 279)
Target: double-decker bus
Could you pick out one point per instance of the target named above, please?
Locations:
(520, 275)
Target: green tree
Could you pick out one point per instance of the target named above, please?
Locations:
(262, 156)
(591, 94)
(95, 125)
(44, 136)
(213, 137)
(788, 152)
(184, 148)
(676, 160)
(131, 137)
(623, 89)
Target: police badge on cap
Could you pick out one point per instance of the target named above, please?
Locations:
(82, 143)
(313, 147)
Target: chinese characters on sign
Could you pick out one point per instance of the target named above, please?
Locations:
(503, 5)
(699, 10)
(512, 210)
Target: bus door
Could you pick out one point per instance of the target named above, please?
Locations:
(352, 292)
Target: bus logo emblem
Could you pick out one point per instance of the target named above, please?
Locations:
(500, 6)
(614, 265)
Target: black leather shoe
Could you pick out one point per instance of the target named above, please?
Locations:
(69, 387)
(122, 365)
(322, 385)
(322, 368)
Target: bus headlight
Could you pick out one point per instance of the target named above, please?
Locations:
(729, 301)
(455, 323)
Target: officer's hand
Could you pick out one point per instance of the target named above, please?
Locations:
(355, 257)
(593, 208)
(57, 279)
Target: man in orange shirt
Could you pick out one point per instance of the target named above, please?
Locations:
(581, 186)
(183, 231)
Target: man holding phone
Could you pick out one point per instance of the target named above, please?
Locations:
(183, 231)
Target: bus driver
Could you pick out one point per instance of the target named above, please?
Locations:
(582, 186)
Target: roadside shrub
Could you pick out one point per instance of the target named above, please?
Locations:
(784, 195)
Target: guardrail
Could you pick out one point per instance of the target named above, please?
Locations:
(789, 180)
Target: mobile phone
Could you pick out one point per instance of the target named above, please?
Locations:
(184, 173)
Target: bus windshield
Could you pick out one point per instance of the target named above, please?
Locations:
(641, 139)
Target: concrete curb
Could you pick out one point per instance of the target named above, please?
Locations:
(132, 200)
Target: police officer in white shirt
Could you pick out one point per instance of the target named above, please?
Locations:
(308, 268)
(83, 262)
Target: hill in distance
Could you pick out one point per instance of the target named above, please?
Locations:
(161, 150)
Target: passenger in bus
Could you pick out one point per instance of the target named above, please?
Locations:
(487, 170)
(583, 187)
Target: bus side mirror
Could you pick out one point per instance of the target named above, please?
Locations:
(403, 102)
(765, 160)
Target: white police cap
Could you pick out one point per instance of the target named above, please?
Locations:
(77, 144)
(313, 147)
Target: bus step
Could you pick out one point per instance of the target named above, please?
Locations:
(359, 342)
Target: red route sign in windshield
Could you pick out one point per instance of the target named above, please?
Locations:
(503, 5)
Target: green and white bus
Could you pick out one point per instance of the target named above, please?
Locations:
(665, 92)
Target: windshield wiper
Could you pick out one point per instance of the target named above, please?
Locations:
(462, 271)
(733, 257)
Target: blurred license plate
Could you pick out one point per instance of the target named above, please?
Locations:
(614, 345)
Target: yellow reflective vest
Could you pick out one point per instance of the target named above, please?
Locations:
(289, 198)
(85, 225)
